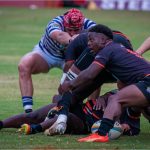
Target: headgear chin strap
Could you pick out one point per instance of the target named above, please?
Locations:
(73, 18)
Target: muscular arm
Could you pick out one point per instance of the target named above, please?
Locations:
(61, 37)
(144, 47)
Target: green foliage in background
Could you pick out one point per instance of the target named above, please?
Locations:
(20, 30)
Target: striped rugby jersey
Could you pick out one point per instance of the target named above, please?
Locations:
(48, 45)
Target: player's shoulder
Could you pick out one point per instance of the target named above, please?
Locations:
(112, 47)
(88, 23)
(58, 18)
(87, 19)
(56, 22)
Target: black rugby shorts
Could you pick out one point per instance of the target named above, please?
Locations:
(144, 86)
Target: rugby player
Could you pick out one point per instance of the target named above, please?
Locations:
(49, 52)
(80, 119)
(79, 56)
(125, 65)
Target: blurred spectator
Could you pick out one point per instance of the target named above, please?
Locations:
(75, 3)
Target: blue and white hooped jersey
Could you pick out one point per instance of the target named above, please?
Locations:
(48, 45)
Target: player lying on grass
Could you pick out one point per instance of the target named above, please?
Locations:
(127, 66)
(80, 119)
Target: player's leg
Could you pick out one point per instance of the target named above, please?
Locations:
(32, 63)
(34, 117)
(74, 126)
(70, 99)
(133, 95)
(75, 123)
(128, 96)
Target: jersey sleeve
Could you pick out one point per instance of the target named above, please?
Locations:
(104, 57)
(76, 47)
(88, 23)
(55, 25)
(70, 54)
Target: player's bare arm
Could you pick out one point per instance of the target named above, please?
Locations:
(84, 76)
(144, 47)
(61, 37)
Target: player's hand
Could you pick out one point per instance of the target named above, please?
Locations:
(56, 98)
(125, 127)
(139, 51)
(100, 104)
(66, 86)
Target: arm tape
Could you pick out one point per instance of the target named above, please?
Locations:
(63, 78)
(71, 75)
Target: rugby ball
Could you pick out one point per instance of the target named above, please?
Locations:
(113, 134)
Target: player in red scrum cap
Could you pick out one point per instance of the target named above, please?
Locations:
(73, 21)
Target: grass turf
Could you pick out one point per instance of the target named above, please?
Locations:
(20, 30)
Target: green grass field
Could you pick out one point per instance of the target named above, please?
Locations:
(20, 30)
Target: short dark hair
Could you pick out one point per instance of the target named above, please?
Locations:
(99, 28)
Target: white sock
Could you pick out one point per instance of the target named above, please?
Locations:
(62, 118)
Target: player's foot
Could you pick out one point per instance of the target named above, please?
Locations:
(31, 129)
(56, 129)
(28, 110)
(95, 137)
(26, 129)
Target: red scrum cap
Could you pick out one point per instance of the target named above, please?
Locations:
(73, 18)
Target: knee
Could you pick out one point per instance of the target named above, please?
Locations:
(23, 68)
(115, 105)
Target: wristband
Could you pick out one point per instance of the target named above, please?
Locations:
(71, 75)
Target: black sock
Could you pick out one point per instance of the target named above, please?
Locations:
(106, 125)
(1, 124)
(36, 128)
(65, 103)
(133, 112)
(28, 110)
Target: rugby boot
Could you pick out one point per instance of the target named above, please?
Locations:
(95, 137)
(25, 128)
(59, 127)
(30, 129)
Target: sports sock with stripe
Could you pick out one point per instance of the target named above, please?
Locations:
(27, 103)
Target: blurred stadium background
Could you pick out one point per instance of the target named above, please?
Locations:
(143, 5)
